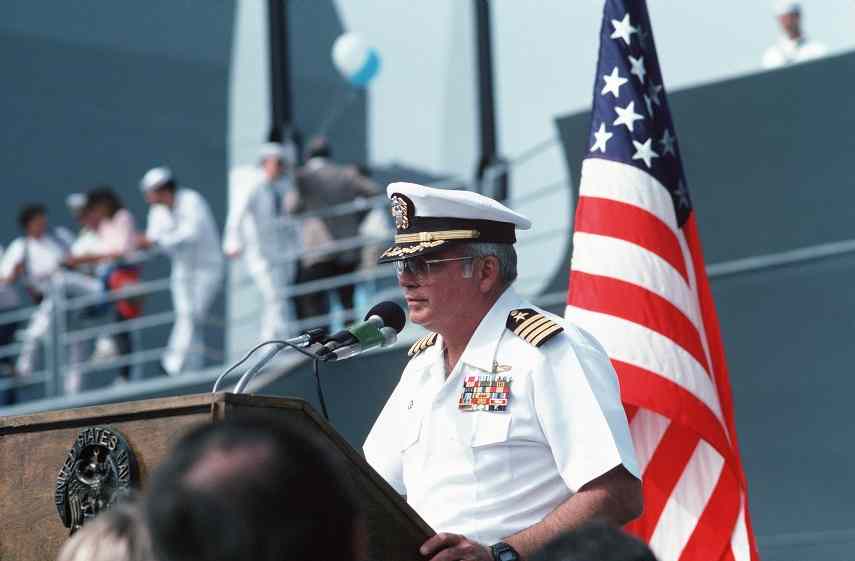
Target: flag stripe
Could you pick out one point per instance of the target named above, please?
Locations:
(639, 305)
(652, 392)
(632, 263)
(713, 532)
(680, 518)
(627, 184)
(630, 223)
(651, 351)
(647, 428)
(662, 474)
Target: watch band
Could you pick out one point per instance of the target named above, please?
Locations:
(502, 551)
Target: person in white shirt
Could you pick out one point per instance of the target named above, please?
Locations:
(37, 258)
(115, 242)
(792, 47)
(181, 224)
(258, 228)
(506, 428)
(9, 300)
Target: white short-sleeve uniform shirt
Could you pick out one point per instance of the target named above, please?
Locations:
(490, 474)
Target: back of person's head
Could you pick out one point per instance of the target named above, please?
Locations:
(252, 488)
(104, 197)
(596, 541)
(28, 212)
(118, 534)
(319, 147)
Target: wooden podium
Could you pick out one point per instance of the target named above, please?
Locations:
(34, 449)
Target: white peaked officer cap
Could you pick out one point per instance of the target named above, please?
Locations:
(155, 178)
(75, 201)
(428, 220)
(286, 153)
(783, 8)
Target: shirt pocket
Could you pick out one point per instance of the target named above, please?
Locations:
(413, 453)
(491, 452)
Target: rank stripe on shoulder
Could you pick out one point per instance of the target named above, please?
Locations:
(422, 344)
(534, 327)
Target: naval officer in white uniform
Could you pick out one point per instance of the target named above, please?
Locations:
(506, 428)
(258, 229)
(181, 224)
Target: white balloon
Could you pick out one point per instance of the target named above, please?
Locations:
(349, 54)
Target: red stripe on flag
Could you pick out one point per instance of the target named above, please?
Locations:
(637, 304)
(719, 363)
(648, 390)
(606, 217)
(661, 476)
(630, 411)
(714, 530)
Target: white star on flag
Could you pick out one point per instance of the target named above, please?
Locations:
(667, 143)
(613, 83)
(682, 195)
(601, 137)
(649, 104)
(627, 116)
(644, 152)
(623, 29)
(637, 67)
(653, 91)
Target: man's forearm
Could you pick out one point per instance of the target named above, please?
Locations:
(614, 497)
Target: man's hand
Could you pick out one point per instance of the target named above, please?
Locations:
(451, 547)
(142, 242)
(233, 253)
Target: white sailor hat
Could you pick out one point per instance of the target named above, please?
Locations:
(155, 178)
(75, 201)
(284, 152)
(428, 220)
(783, 8)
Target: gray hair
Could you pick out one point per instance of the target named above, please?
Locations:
(504, 252)
(119, 534)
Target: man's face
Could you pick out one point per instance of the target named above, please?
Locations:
(37, 226)
(159, 197)
(443, 295)
(87, 219)
(791, 24)
(273, 168)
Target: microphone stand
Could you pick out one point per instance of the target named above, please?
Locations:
(296, 343)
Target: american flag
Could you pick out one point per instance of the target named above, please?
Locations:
(637, 282)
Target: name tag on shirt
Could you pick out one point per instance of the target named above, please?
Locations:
(486, 392)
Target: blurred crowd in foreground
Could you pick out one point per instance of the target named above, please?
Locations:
(262, 488)
(279, 223)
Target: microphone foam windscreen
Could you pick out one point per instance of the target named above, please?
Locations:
(391, 313)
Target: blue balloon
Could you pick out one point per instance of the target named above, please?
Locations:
(368, 71)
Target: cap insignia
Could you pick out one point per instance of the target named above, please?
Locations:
(400, 210)
(399, 250)
(533, 326)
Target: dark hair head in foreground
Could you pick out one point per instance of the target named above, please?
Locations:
(252, 488)
(118, 534)
(595, 541)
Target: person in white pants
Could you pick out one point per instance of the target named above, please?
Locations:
(37, 257)
(259, 229)
(181, 224)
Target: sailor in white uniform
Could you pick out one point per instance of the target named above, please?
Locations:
(258, 228)
(181, 224)
(37, 258)
(792, 47)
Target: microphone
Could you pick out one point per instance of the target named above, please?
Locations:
(380, 328)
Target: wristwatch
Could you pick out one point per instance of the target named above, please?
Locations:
(504, 552)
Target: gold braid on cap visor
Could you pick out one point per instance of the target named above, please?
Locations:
(440, 235)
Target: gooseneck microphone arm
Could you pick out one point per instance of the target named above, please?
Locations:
(297, 343)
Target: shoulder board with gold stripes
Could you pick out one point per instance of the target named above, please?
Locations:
(533, 326)
(422, 344)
